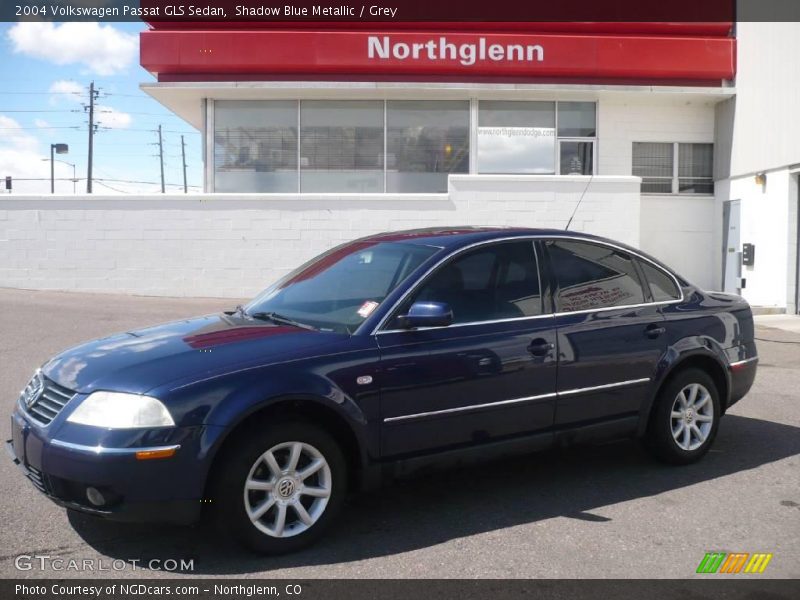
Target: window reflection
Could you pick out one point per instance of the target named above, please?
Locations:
(516, 137)
(341, 146)
(255, 146)
(426, 140)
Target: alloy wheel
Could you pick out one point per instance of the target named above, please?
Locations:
(287, 489)
(692, 416)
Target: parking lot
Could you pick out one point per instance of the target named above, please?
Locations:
(600, 511)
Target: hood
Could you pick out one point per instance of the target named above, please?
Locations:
(137, 361)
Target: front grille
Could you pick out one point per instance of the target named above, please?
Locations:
(49, 403)
(37, 479)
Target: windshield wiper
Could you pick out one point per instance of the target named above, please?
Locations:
(276, 318)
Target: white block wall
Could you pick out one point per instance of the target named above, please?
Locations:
(768, 220)
(681, 230)
(235, 245)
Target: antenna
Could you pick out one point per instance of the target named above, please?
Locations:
(588, 183)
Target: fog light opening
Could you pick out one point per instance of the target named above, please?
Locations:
(95, 496)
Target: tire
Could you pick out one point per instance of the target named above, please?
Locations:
(683, 424)
(278, 488)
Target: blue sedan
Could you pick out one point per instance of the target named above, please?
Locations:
(379, 357)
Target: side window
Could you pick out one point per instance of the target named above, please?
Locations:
(500, 281)
(591, 276)
(662, 286)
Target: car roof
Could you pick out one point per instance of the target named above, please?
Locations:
(453, 238)
(456, 237)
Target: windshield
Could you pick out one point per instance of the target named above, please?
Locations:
(338, 290)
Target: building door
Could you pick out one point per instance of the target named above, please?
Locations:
(731, 253)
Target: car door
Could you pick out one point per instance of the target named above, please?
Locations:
(490, 374)
(610, 338)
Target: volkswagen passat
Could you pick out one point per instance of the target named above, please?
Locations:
(378, 357)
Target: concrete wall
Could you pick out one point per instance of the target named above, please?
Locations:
(235, 245)
(766, 129)
(682, 231)
(758, 132)
(678, 229)
(769, 220)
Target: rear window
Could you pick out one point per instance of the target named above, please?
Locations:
(662, 286)
(591, 276)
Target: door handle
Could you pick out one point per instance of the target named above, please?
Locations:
(540, 347)
(653, 330)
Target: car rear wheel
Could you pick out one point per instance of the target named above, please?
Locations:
(279, 489)
(685, 418)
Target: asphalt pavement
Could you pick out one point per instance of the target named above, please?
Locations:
(600, 511)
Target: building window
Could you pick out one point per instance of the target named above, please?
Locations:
(255, 146)
(576, 157)
(341, 146)
(673, 168)
(696, 168)
(577, 119)
(403, 146)
(516, 137)
(425, 141)
(537, 137)
(577, 131)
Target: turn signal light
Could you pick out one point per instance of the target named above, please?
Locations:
(151, 454)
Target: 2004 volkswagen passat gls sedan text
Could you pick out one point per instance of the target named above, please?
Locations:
(378, 357)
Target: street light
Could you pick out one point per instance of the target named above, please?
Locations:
(58, 149)
(74, 177)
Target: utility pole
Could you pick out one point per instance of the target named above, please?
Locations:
(183, 155)
(92, 96)
(161, 157)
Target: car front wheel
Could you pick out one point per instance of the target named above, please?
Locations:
(685, 419)
(280, 488)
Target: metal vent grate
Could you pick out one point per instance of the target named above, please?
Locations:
(37, 479)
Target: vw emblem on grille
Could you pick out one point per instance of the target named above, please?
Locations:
(33, 390)
(286, 488)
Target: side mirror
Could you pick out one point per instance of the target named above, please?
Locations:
(427, 314)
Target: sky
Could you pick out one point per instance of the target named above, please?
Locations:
(45, 72)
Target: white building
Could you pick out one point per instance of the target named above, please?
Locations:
(678, 138)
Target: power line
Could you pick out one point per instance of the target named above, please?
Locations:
(62, 110)
(142, 95)
(39, 128)
(105, 185)
(98, 180)
(41, 93)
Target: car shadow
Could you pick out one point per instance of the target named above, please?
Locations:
(431, 509)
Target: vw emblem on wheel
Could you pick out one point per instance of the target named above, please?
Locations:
(286, 488)
(33, 390)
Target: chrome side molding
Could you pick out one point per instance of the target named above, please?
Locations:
(471, 407)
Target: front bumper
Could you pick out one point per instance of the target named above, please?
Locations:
(156, 490)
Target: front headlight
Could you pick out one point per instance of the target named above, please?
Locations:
(117, 410)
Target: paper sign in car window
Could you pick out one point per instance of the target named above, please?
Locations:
(367, 308)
